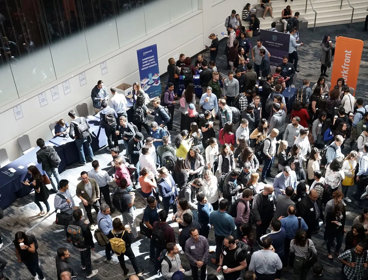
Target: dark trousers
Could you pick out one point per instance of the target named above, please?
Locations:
(40, 206)
(230, 100)
(108, 251)
(262, 228)
(89, 211)
(195, 270)
(34, 267)
(362, 183)
(86, 260)
(219, 240)
(215, 205)
(204, 231)
(155, 251)
(167, 205)
(323, 69)
(171, 112)
(145, 125)
(293, 58)
(129, 253)
(105, 191)
(112, 139)
(366, 23)
(330, 241)
(232, 276)
(265, 276)
(266, 171)
(257, 69)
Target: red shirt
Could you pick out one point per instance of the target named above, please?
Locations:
(303, 115)
(227, 139)
(122, 172)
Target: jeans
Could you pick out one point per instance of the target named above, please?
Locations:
(82, 146)
(40, 206)
(219, 240)
(267, 167)
(293, 58)
(34, 267)
(105, 191)
(89, 211)
(54, 176)
(129, 219)
(167, 205)
(195, 270)
(86, 260)
(129, 253)
(300, 269)
(108, 251)
(330, 241)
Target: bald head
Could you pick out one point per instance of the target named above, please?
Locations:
(313, 194)
(134, 277)
(268, 189)
(291, 210)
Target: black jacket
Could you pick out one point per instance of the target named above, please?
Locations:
(87, 235)
(62, 265)
(134, 149)
(44, 157)
(304, 209)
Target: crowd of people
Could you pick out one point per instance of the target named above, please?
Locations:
(257, 174)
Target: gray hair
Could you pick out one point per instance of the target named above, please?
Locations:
(104, 207)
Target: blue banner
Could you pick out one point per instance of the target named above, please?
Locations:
(277, 43)
(148, 70)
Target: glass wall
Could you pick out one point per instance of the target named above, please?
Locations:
(41, 40)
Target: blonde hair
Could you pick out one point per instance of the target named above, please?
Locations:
(253, 178)
(352, 154)
(282, 147)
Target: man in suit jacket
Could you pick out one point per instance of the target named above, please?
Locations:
(89, 193)
(309, 208)
(283, 202)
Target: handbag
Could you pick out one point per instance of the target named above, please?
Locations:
(349, 181)
(145, 230)
(101, 238)
(63, 218)
(311, 258)
(45, 179)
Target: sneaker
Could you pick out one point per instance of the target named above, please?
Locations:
(347, 199)
(93, 273)
(83, 267)
(36, 277)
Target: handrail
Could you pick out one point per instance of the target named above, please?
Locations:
(315, 12)
(352, 11)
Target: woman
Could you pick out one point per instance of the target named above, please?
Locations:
(282, 156)
(194, 163)
(183, 208)
(61, 128)
(167, 189)
(248, 156)
(139, 115)
(173, 72)
(180, 174)
(260, 133)
(301, 192)
(253, 183)
(286, 14)
(182, 144)
(124, 232)
(313, 164)
(254, 24)
(326, 54)
(232, 56)
(332, 103)
(242, 144)
(187, 98)
(323, 86)
(244, 43)
(355, 236)
(226, 161)
(147, 183)
(196, 135)
(26, 251)
(317, 130)
(211, 153)
(210, 188)
(335, 223)
(362, 219)
(206, 125)
(316, 102)
(226, 135)
(334, 175)
(138, 91)
(302, 247)
(241, 55)
(41, 192)
(348, 167)
(246, 12)
(296, 160)
(302, 113)
(340, 83)
(266, 5)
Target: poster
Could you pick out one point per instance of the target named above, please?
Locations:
(42, 99)
(82, 79)
(18, 112)
(346, 63)
(149, 70)
(103, 67)
(66, 87)
(277, 43)
(55, 93)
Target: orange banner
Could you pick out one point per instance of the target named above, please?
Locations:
(348, 53)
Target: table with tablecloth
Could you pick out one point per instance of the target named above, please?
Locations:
(12, 175)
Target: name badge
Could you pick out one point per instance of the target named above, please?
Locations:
(224, 253)
(192, 247)
(82, 191)
(312, 209)
(290, 68)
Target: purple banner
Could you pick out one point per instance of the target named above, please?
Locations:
(277, 43)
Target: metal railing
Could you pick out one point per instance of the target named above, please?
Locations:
(315, 12)
(352, 10)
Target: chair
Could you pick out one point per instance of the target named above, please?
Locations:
(82, 110)
(52, 128)
(4, 159)
(25, 144)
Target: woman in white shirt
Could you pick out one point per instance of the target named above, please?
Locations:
(334, 175)
(313, 165)
(348, 167)
(210, 189)
(145, 161)
(211, 153)
(302, 142)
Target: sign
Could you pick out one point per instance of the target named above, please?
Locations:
(277, 43)
(82, 79)
(18, 112)
(42, 99)
(148, 70)
(66, 87)
(103, 67)
(55, 93)
(348, 53)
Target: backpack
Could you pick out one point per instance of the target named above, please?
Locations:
(101, 238)
(236, 115)
(221, 182)
(80, 127)
(138, 115)
(234, 207)
(243, 251)
(117, 198)
(109, 120)
(168, 160)
(186, 72)
(158, 237)
(162, 98)
(76, 234)
(54, 159)
(118, 244)
(259, 149)
(324, 153)
(163, 257)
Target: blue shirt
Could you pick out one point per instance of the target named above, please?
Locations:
(158, 134)
(293, 45)
(104, 222)
(223, 223)
(281, 182)
(291, 225)
(211, 104)
(278, 241)
(204, 211)
(150, 215)
(58, 128)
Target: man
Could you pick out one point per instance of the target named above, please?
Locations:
(265, 262)
(162, 234)
(231, 89)
(278, 119)
(232, 259)
(231, 186)
(266, 93)
(190, 191)
(171, 263)
(216, 85)
(348, 100)
(213, 47)
(309, 208)
(165, 149)
(204, 211)
(362, 175)
(245, 174)
(168, 100)
(293, 22)
(206, 74)
(292, 131)
(250, 77)
(232, 20)
(359, 113)
(122, 175)
(263, 209)
(108, 119)
(287, 71)
(157, 133)
(98, 94)
(86, 245)
(88, 192)
(150, 215)
(104, 223)
(135, 146)
(208, 101)
(256, 56)
(125, 130)
(50, 162)
(293, 46)
(189, 223)
(243, 209)
(103, 180)
(79, 131)
(242, 132)
(118, 103)
(161, 116)
(334, 149)
(283, 201)
(355, 262)
(226, 115)
(265, 63)
(62, 262)
(241, 79)
(223, 225)
(196, 250)
(250, 117)
(269, 151)
(282, 181)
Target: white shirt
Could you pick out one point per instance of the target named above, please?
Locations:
(211, 154)
(145, 161)
(210, 190)
(304, 145)
(118, 103)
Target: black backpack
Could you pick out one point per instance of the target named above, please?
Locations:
(54, 159)
(81, 127)
(236, 115)
(234, 207)
(117, 199)
(164, 257)
(243, 252)
(324, 153)
(138, 115)
(109, 121)
(158, 237)
(162, 97)
(221, 182)
(168, 160)
(186, 72)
